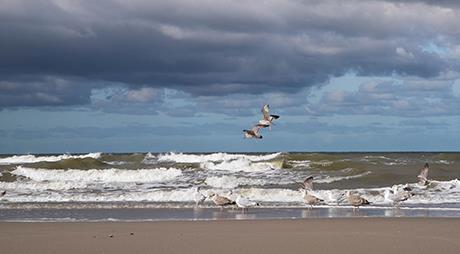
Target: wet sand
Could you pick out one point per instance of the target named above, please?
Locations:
(339, 235)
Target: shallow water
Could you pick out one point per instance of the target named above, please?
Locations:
(187, 214)
(136, 181)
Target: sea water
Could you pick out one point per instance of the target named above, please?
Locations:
(124, 186)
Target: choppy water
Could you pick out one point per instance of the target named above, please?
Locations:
(99, 180)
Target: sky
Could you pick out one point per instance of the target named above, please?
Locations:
(189, 76)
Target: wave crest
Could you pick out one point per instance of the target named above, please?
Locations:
(99, 175)
(214, 157)
(24, 159)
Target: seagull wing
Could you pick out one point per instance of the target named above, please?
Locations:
(423, 174)
(250, 132)
(246, 202)
(265, 112)
(222, 200)
(257, 128)
(308, 183)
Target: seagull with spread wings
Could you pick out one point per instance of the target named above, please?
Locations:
(307, 183)
(423, 176)
(267, 119)
(254, 132)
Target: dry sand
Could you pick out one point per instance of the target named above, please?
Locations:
(351, 235)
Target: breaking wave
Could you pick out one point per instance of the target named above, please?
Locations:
(23, 159)
(214, 157)
(440, 193)
(230, 182)
(240, 164)
(99, 175)
(331, 179)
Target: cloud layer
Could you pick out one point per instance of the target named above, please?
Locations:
(56, 52)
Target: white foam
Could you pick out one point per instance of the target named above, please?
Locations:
(323, 163)
(231, 182)
(240, 164)
(149, 159)
(22, 159)
(214, 157)
(179, 195)
(40, 192)
(28, 186)
(99, 175)
(271, 195)
(116, 163)
(445, 162)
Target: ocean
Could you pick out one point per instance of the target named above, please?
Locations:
(162, 186)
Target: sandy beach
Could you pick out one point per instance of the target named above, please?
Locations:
(350, 235)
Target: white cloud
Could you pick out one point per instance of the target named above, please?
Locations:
(143, 95)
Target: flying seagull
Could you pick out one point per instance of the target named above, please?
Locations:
(423, 176)
(267, 119)
(356, 200)
(255, 131)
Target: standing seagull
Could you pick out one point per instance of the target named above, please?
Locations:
(254, 132)
(356, 200)
(310, 199)
(245, 203)
(334, 197)
(267, 119)
(221, 201)
(397, 196)
(198, 196)
(423, 176)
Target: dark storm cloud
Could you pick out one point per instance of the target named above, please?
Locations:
(215, 48)
(43, 91)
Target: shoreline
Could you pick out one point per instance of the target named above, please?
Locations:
(349, 235)
(213, 214)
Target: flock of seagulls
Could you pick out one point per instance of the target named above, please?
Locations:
(266, 121)
(396, 195)
(310, 199)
